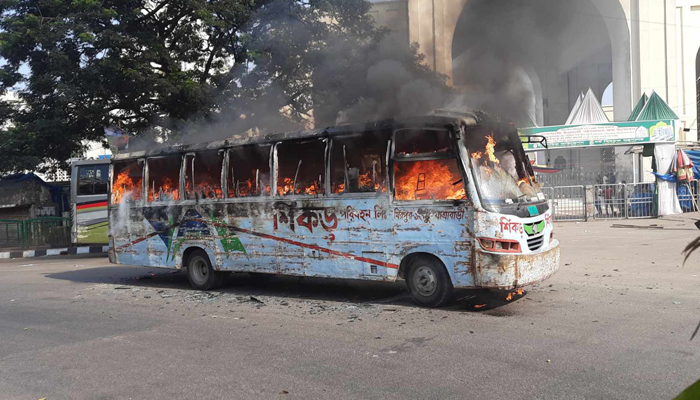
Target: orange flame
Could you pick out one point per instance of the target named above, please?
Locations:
(124, 184)
(286, 186)
(248, 188)
(206, 187)
(313, 189)
(480, 306)
(432, 179)
(165, 192)
(490, 146)
(365, 182)
(516, 292)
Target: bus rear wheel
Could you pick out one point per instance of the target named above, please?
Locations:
(200, 272)
(428, 282)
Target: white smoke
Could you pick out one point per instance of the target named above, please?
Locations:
(121, 225)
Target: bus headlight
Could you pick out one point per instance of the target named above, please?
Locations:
(500, 245)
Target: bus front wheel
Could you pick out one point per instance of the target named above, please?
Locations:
(428, 282)
(200, 272)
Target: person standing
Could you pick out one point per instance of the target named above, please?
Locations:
(599, 201)
(608, 194)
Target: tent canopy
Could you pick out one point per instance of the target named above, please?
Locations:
(638, 108)
(574, 110)
(589, 111)
(653, 108)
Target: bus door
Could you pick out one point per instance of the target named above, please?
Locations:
(429, 198)
(300, 224)
(89, 191)
(127, 192)
(359, 199)
(249, 208)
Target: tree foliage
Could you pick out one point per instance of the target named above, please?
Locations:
(168, 67)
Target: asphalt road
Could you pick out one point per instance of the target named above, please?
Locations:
(614, 323)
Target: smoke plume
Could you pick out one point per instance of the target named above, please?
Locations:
(497, 45)
(353, 79)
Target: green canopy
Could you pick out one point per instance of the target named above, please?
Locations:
(656, 108)
(638, 108)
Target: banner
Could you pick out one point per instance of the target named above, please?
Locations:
(606, 134)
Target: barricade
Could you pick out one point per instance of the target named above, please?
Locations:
(569, 203)
(35, 232)
(549, 195)
(641, 200)
(610, 201)
(688, 195)
(11, 233)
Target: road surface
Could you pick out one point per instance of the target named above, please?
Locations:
(613, 323)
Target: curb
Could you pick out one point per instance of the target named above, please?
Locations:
(55, 252)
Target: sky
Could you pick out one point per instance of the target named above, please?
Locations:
(607, 99)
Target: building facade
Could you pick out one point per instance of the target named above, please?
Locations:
(553, 50)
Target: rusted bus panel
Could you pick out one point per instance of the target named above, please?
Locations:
(345, 238)
(507, 271)
(538, 256)
(522, 230)
(357, 238)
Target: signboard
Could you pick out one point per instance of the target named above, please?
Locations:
(606, 134)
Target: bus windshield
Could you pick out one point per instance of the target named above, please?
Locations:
(502, 171)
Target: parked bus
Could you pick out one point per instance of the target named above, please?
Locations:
(443, 201)
(89, 198)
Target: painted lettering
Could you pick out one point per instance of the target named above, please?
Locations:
(507, 225)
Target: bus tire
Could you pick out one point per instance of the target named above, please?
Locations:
(200, 272)
(428, 282)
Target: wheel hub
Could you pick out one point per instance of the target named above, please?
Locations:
(425, 281)
(200, 270)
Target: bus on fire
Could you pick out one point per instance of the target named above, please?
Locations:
(443, 201)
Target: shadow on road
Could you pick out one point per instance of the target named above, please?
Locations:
(490, 302)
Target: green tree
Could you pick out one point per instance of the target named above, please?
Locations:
(138, 64)
(173, 67)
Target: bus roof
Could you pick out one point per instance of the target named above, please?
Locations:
(90, 161)
(439, 118)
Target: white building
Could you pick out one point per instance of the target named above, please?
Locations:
(555, 49)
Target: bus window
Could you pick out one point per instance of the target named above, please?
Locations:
(92, 179)
(425, 167)
(357, 164)
(502, 171)
(249, 171)
(428, 180)
(164, 178)
(207, 175)
(422, 141)
(127, 182)
(300, 167)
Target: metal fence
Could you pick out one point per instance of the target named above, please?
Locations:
(35, 232)
(688, 195)
(11, 233)
(615, 201)
(549, 195)
(568, 203)
(587, 178)
(641, 200)
(610, 201)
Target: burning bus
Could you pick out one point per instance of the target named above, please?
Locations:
(442, 201)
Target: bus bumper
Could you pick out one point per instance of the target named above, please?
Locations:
(508, 271)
